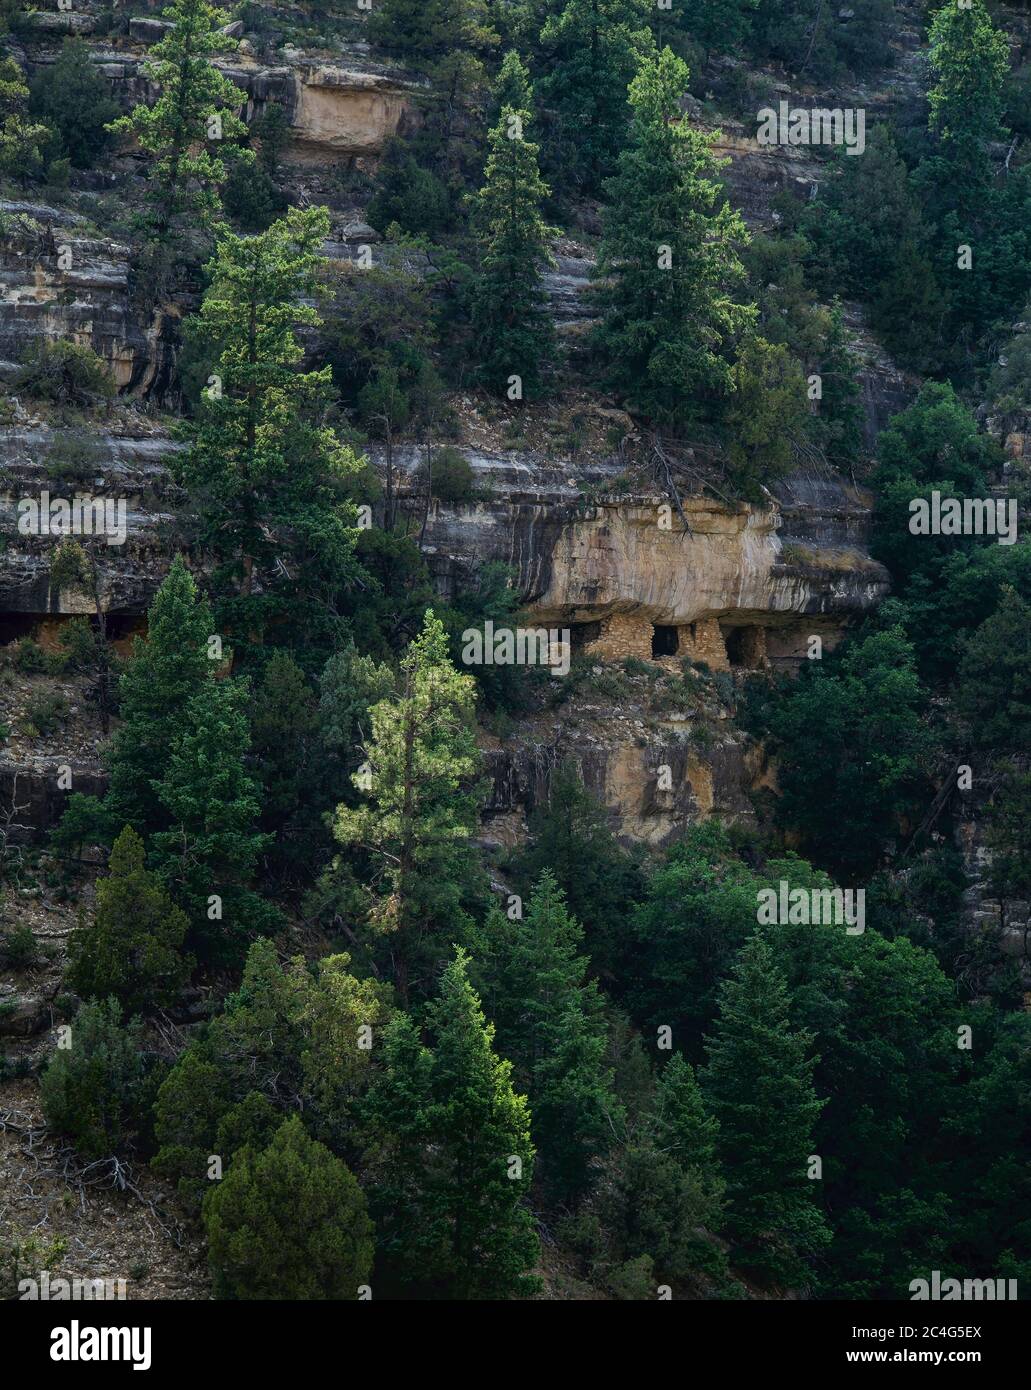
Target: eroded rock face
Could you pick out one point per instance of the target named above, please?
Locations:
(58, 282)
(347, 112)
(731, 561)
(32, 794)
(122, 468)
(580, 555)
(1008, 922)
(347, 108)
(620, 764)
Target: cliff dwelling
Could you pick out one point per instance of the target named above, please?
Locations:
(624, 635)
(781, 644)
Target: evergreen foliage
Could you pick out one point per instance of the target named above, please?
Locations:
(669, 259)
(450, 1156)
(759, 1082)
(133, 949)
(257, 1247)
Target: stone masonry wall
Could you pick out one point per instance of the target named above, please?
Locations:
(703, 641)
(622, 635)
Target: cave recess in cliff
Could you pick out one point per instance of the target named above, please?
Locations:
(665, 640)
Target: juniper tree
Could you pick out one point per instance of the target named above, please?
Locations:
(265, 469)
(668, 260)
(97, 1090)
(450, 1156)
(133, 948)
(758, 1081)
(82, 568)
(194, 113)
(513, 332)
(210, 851)
(420, 761)
(288, 1222)
(294, 1035)
(591, 49)
(656, 1208)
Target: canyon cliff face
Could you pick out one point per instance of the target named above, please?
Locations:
(593, 548)
(745, 588)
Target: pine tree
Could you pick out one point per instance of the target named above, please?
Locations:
(575, 1110)
(766, 416)
(511, 87)
(699, 910)
(133, 949)
(288, 1222)
(994, 696)
(266, 472)
(452, 1140)
(284, 739)
(668, 258)
(591, 49)
(602, 883)
(570, 834)
(759, 1084)
(855, 746)
(422, 757)
(512, 327)
(550, 1024)
(969, 59)
(73, 97)
(349, 686)
(394, 1121)
(1009, 835)
(680, 1124)
(446, 39)
(209, 854)
(167, 669)
(195, 112)
(535, 969)
(428, 29)
(718, 25)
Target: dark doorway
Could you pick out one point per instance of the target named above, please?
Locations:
(734, 639)
(746, 646)
(665, 641)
